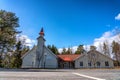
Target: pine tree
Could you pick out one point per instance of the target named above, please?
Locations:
(8, 32)
(17, 61)
(92, 47)
(69, 51)
(24, 50)
(63, 51)
(53, 48)
(116, 51)
(80, 50)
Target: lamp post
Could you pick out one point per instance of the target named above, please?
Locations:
(45, 60)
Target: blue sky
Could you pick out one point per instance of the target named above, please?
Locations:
(66, 22)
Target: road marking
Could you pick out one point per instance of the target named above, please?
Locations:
(88, 76)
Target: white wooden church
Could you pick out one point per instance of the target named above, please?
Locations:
(41, 57)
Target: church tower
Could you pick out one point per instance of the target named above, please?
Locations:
(40, 49)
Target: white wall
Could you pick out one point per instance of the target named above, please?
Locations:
(102, 59)
(28, 61)
(50, 59)
(83, 59)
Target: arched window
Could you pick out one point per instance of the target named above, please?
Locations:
(106, 63)
(98, 63)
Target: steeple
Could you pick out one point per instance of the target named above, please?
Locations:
(41, 35)
(40, 49)
(41, 32)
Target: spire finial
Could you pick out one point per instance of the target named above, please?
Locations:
(42, 32)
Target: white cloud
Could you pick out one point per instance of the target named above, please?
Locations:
(74, 48)
(117, 17)
(60, 50)
(26, 40)
(108, 34)
(106, 37)
(87, 47)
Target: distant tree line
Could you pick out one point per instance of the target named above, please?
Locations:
(111, 50)
(69, 50)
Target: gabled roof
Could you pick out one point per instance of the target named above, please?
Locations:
(50, 51)
(68, 57)
(98, 53)
(29, 51)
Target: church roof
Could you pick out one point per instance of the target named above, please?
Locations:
(95, 51)
(34, 48)
(68, 57)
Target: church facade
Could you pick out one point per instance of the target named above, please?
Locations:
(41, 57)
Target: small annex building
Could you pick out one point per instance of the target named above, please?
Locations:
(93, 59)
(42, 57)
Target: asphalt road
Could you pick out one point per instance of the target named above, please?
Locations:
(59, 74)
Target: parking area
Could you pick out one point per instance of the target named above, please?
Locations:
(59, 74)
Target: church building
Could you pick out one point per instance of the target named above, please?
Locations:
(42, 57)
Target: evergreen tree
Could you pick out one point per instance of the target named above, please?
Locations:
(69, 51)
(8, 32)
(63, 51)
(80, 49)
(24, 50)
(92, 47)
(53, 48)
(49, 46)
(6, 62)
(16, 59)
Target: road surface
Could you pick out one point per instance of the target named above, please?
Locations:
(59, 74)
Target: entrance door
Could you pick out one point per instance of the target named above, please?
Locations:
(66, 65)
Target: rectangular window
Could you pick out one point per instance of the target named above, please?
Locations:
(89, 64)
(106, 63)
(81, 63)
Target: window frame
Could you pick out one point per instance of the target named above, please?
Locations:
(106, 63)
(89, 64)
(81, 63)
(98, 64)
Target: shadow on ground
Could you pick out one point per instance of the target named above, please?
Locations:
(33, 70)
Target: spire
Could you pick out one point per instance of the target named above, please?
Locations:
(41, 32)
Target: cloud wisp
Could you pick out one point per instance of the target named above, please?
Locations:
(117, 17)
(26, 40)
